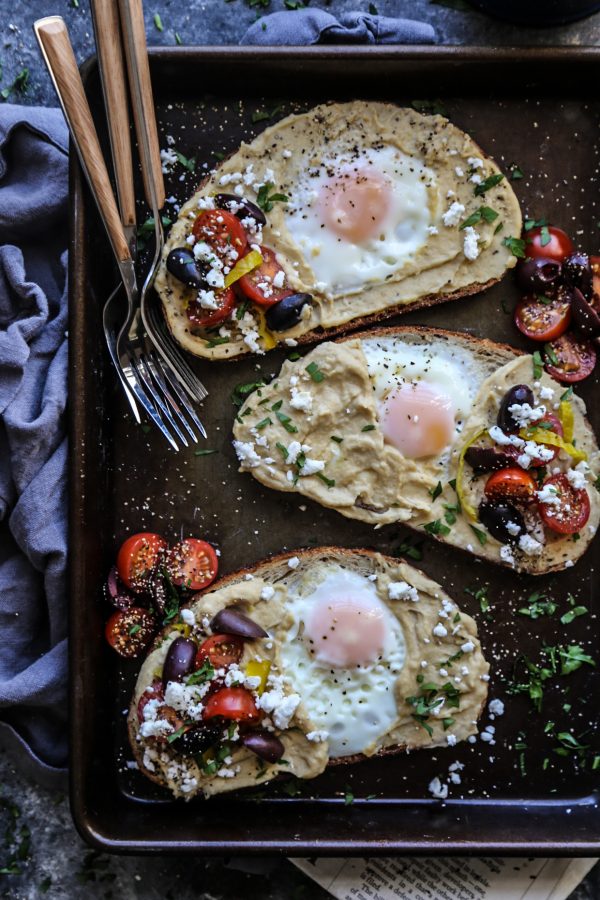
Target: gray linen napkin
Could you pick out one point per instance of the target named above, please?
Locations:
(33, 443)
(314, 26)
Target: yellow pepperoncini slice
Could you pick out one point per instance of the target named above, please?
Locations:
(545, 436)
(246, 264)
(567, 420)
(260, 667)
(267, 337)
(466, 507)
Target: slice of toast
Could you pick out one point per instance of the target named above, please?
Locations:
(418, 605)
(461, 252)
(330, 400)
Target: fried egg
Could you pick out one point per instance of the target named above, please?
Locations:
(424, 392)
(346, 649)
(361, 215)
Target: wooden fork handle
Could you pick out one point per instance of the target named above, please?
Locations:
(136, 54)
(114, 86)
(58, 53)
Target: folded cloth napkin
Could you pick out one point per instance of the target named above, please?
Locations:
(316, 26)
(33, 443)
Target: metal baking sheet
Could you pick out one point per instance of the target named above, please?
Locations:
(537, 109)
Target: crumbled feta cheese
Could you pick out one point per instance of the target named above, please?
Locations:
(437, 789)
(529, 545)
(451, 740)
(251, 340)
(458, 171)
(549, 495)
(317, 736)
(294, 449)
(312, 466)
(401, 590)
(513, 528)
(496, 707)
(301, 400)
(475, 162)
(186, 698)
(453, 214)
(470, 245)
(280, 706)
(267, 592)
(432, 229)
(467, 647)
(439, 630)
(168, 159)
(576, 478)
(503, 439)
(290, 342)
(279, 279)
(546, 393)
(246, 454)
(286, 154)
(187, 616)
(524, 414)
(293, 562)
(207, 299)
(476, 178)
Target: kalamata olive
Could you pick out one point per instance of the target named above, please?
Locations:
(264, 744)
(496, 518)
(179, 660)
(487, 459)
(577, 272)
(115, 591)
(232, 621)
(585, 316)
(520, 393)
(287, 312)
(536, 275)
(181, 263)
(198, 739)
(243, 208)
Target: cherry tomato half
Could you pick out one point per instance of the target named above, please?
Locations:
(193, 564)
(235, 703)
(223, 232)
(129, 631)
(548, 242)
(138, 557)
(200, 317)
(573, 511)
(510, 484)
(154, 692)
(542, 321)
(220, 650)
(575, 358)
(258, 284)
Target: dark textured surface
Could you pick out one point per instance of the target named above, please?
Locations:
(56, 851)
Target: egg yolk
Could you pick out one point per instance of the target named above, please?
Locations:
(417, 419)
(345, 631)
(355, 204)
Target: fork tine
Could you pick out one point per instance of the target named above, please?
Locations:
(135, 384)
(145, 377)
(173, 358)
(156, 368)
(183, 399)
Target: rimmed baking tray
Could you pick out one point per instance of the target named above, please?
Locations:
(537, 109)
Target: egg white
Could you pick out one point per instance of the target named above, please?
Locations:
(356, 706)
(343, 266)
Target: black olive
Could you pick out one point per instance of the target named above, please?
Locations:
(577, 272)
(266, 745)
(182, 265)
(232, 621)
(520, 393)
(585, 316)
(243, 208)
(496, 516)
(487, 459)
(198, 738)
(287, 313)
(536, 275)
(179, 660)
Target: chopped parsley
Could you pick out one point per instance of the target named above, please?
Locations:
(216, 341)
(429, 107)
(368, 428)
(436, 491)
(450, 512)
(413, 551)
(550, 354)
(484, 212)
(479, 534)
(337, 439)
(263, 423)
(241, 391)
(538, 605)
(436, 527)
(178, 38)
(202, 675)
(515, 245)
(204, 452)
(430, 699)
(315, 372)
(538, 365)
(330, 482)
(146, 230)
(516, 172)
(282, 449)
(574, 612)
(286, 422)
(266, 200)
(261, 115)
(488, 183)
(566, 395)
(176, 734)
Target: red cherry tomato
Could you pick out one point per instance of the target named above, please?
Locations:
(548, 242)
(129, 631)
(510, 484)
(573, 511)
(203, 318)
(235, 703)
(575, 359)
(542, 321)
(154, 692)
(193, 564)
(220, 650)
(138, 557)
(223, 232)
(252, 284)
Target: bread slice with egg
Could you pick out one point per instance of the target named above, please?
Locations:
(384, 210)
(403, 671)
(342, 426)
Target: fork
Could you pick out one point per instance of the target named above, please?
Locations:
(142, 326)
